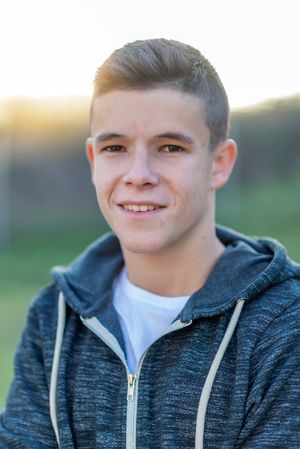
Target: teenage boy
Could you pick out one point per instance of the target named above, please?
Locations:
(169, 332)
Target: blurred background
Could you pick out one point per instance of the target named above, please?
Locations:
(48, 56)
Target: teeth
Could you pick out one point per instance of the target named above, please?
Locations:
(136, 208)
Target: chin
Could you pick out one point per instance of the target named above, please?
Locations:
(141, 244)
(142, 248)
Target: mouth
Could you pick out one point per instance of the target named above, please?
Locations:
(140, 207)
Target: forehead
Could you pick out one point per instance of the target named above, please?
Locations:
(151, 111)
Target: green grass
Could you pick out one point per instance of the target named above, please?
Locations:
(270, 209)
(24, 266)
(25, 269)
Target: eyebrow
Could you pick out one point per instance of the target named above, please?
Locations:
(176, 136)
(108, 136)
(168, 135)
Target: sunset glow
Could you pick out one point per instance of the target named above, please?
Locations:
(53, 48)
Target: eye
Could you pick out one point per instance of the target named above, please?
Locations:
(172, 148)
(114, 149)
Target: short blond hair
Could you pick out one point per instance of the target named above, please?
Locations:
(153, 63)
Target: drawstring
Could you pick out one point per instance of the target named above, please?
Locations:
(212, 374)
(206, 389)
(54, 372)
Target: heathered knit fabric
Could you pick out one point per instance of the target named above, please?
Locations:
(255, 399)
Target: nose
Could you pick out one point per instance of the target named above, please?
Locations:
(140, 172)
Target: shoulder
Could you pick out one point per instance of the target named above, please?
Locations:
(270, 324)
(45, 301)
(42, 314)
(272, 316)
(277, 300)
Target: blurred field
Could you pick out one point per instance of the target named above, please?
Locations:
(24, 269)
(261, 210)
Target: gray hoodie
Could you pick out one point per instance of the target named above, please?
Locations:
(224, 375)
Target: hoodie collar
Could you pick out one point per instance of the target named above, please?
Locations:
(247, 267)
(87, 282)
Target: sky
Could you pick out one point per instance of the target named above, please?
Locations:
(52, 48)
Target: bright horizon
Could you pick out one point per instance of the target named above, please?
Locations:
(53, 49)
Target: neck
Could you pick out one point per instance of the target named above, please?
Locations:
(179, 271)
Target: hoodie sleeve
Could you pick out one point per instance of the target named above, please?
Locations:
(26, 424)
(273, 408)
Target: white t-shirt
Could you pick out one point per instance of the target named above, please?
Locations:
(143, 316)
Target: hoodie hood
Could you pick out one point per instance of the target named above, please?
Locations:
(247, 268)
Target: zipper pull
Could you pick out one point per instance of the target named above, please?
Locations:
(131, 385)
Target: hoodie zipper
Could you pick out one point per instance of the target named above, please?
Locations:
(132, 378)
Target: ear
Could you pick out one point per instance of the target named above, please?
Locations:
(89, 150)
(224, 158)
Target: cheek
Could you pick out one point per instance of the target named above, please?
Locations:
(103, 191)
(195, 191)
(195, 183)
(103, 179)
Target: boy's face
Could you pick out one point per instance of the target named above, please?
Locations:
(152, 168)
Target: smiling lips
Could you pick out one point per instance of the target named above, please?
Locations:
(140, 207)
